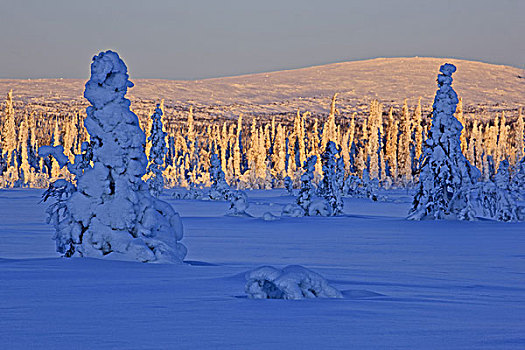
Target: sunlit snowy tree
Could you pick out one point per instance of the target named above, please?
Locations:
(157, 153)
(110, 211)
(446, 174)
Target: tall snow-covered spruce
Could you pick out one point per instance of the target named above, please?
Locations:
(111, 212)
(446, 174)
(157, 153)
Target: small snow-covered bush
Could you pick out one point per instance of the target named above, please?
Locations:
(292, 210)
(269, 217)
(292, 282)
(238, 203)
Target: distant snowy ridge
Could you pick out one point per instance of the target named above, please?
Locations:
(482, 86)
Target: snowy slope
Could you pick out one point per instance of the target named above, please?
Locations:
(406, 285)
(484, 87)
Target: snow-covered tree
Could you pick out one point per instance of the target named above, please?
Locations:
(519, 138)
(219, 188)
(418, 132)
(461, 118)
(375, 122)
(157, 153)
(391, 145)
(446, 174)
(307, 191)
(502, 150)
(26, 172)
(111, 211)
(279, 169)
(518, 178)
(9, 143)
(506, 207)
(330, 186)
(237, 156)
(404, 163)
(329, 127)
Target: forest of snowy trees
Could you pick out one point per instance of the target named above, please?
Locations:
(383, 147)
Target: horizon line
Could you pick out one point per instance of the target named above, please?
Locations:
(273, 70)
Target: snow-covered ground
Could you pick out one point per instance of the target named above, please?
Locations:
(406, 284)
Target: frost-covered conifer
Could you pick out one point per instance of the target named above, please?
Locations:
(261, 164)
(219, 188)
(279, 169)
(404, 164)
(374, 126)
(506, 207)
(418, 132)
(26, 173)
(288, 185)
(330, 187)
(518, 178)
(340, 173)
(501, 153)
(329, 128)
(391, 145)
(471, 149)
(9, 131)
(446, 174)
(519, 137)
(111, 211)
(306, 194)
(157, 153)
(461, 118)
(56, 170)
(237, 157)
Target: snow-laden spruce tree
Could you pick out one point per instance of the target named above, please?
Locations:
(330, 186)
(157, 153)
(518, 178)
(219, 188)
(307, 191)
(505, 201)
(446, 174)
(111, 212)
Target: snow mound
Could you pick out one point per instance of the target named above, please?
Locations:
(269, 217)
(292, 282)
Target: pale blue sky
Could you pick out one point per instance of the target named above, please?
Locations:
(198, 39)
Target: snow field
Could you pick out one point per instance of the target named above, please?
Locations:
(405, 284)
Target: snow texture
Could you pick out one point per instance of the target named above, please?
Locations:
(56, 152)
(111, 212)
(292, 282)
(429, 285)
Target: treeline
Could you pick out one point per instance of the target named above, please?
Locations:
(384, 146)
